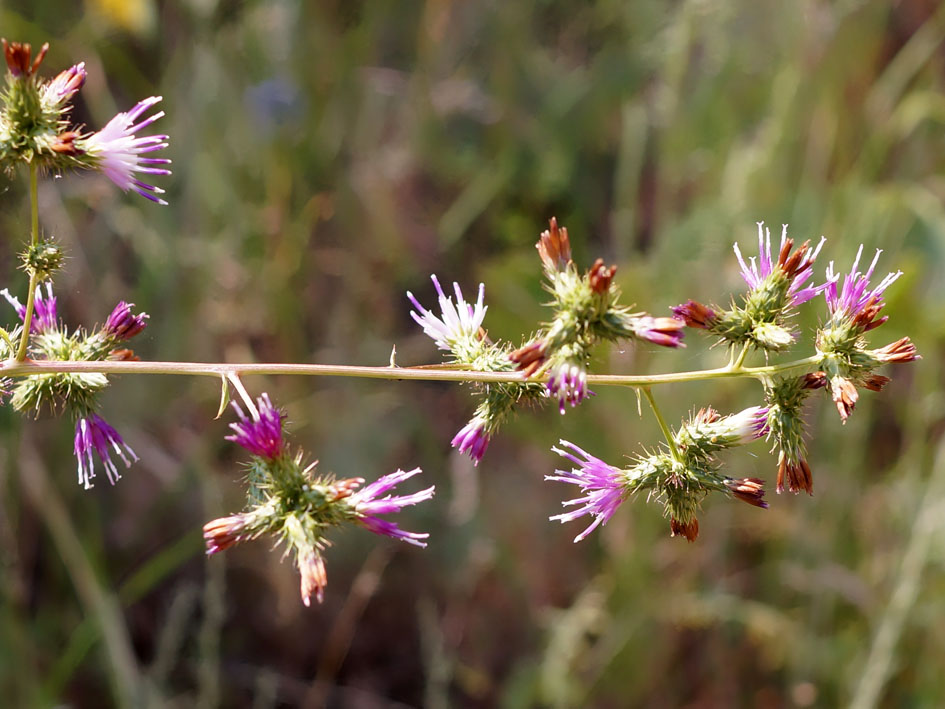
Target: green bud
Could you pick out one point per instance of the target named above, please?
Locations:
(44, 259)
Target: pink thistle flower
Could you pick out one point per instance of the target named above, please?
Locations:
(457, 323)
(119, 151)
(855, 299)
(368, 504)
(260, 434)
(568, 383)
(798, 266)
(123, 324)
(667, 332)
(314, 577)
(65, 85)
(605, 487)
(220, 534)
(472, 439)
(45, 316)
(94, 434)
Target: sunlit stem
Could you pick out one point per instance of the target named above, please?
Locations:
(667, 433)
(737, 363)
(244, 395)
(34, 280)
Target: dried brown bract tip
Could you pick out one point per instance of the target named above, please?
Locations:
(899, 351)
(341, 489)
(876, 382)
(706, 415)
(814, 380)
(554, 247)
(866, 316)
(689, 530)
(695, 314)
(19, 57)
(844, 395)
(123, 354)
(798, 476)
(530, 358)
(792, 264)
(750, 490)
(64, 144)
(600, 276)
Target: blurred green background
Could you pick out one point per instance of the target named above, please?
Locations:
(328, 156)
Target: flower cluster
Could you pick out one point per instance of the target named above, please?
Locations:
(35, 127)
(775, 289)
(77, 392)
(291, 502)
(679, 477)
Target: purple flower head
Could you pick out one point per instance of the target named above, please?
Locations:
(747, 425)
(65, 85)
(855, 299)
(120, 151)
(667, 332)
(457, 323)
(797, 266)
(472, 439)
(45, 316)
(262, 434)
(123, 324)
(368, 504)
(93, 434)
(568, 382)
(605, 487)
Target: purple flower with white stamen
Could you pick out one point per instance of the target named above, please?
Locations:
(94, 435)
(457, 323)
(260, 434)
(368, 504)
(605, 487)
(123, 324)
(855, 299)
(120, 152)
(45, 316)
(745, 426)
(797, 266)
(568, 383)
(472, 439)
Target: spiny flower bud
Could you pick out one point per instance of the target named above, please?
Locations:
(902, 350)
(707, 432)
(65, 85)
(123, 324)
(688, 528)
(44, 259)
(600, 276)
(695, 314)
(796, 471)
(785, 398)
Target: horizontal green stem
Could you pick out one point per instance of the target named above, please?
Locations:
(12, 368)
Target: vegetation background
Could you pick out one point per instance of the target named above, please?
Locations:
(328, 156)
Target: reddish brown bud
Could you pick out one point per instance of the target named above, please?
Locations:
(792, 264)
(899, 351)
(695, 314)
(876, 382)
(341, 489)
(554, 247)
(64, 143)
(689, 530)
(750, 490)
(814, 380)
(19, 57)
(220, 534)
(600, 276)
(314, 578)
(844, 395)
(798, 475)
(530, 358)
(123, 355)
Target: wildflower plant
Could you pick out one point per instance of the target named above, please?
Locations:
(53, 368)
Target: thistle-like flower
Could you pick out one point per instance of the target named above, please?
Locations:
(707, 432)
(220, 534)
(750, 490)
(118, 152)
(695, 314)
(855, 300)
(667, 332)
(604, 486)
(312, 575)
(458, 326)
(473, 439)
(568, 383)
(123, 324)
(797, 267)
(61, 89)
(94, 435)
(45, 316)
(261, 432)
(368, 504)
